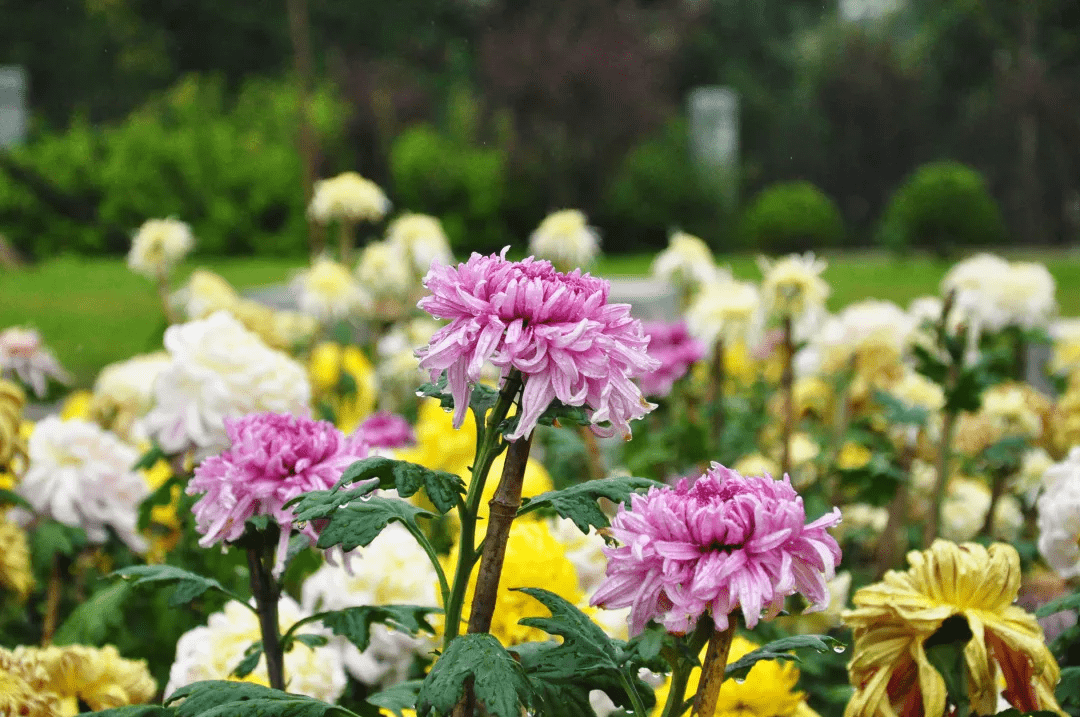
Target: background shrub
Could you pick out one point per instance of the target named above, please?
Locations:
(942, 206)
(791, 216)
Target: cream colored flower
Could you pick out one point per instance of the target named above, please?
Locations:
(566, 240)
(214, 651)
(994, 294)
(687, 263)
(204, 293)
(392, 570)
(756, 464)
(792, 286)
(384, 273)
(725, 310)
(219, 369)
(124, 392)
(95, 676)
(329, 292)
(158, 246)
(83, 476)
(1059, 516)
(1029, 479)
(349, 197)
(963, 512)
(421, 239)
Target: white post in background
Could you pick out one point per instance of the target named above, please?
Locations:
(13, 105)
(714, 137)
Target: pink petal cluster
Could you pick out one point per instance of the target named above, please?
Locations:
(24, 354)
(728, 541)
(273, 459)
(385, 430)
(673, 346)
(556, 329)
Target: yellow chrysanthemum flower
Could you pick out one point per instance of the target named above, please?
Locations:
(76, 405)
(12, 400)
(893, 618)
(95, 676)
(792, 285)
(15, 572)
(439, 445)
(534, 559)
(853, 456)
(768, 691)
(166, 529)
(23, 688)
(328, 364)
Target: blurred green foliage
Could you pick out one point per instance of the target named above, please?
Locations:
(789, 216)
(227, 164)
(942, 206)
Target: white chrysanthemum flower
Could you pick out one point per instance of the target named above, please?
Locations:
(792, 286)
(204, 293)
(1028, 481)
(916, 391)
(964, 512)
(566, 240)
(124, 392)
(1059, 516)
(687, 263)
(81, 475)
(214, 651)
(219, 369)
(1065, 358)
(422, 240)
(329, 292)
(384, 273)
(24, 354)
(392, 570)
(158, 246)
(870, 337)
(724, 310)
(349, 197)
(1010, 413)
(993, 294)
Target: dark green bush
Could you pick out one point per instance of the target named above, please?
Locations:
(942, 205)
(791, 216)
(656, 189)
(229, 168)
(463, 185)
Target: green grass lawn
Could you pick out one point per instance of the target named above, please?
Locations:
(94, 311)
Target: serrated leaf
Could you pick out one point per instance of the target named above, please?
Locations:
(899, 413)
(499, 682)
(579, 502)
(354, 623)
(357, 524)
(133, 711)
(189, 585)
(219, 698)
(780, 650)
(398, 698)
(10, 497)
(252, 655)
(89, 622)
(406, 478)
(1065, 602)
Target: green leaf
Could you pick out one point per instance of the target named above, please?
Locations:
(1065, 602)
(133, 711)
(397, 698)
(899, 413)
(308, 639)
(481, 399)
(354, 623)
(1068, 689)
(579, 502)
(499, 682)
(89, 623)
(945, 651)
(966, 395)
(51, 538)
(219, 698)
(9, 497)
(406, 478)
(780, 650)
(358, 523)
(150, 458)
(188, 584)
(252, 655)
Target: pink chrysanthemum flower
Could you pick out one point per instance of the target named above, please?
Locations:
(556, 329)
(673, 346)
(728, 541)
(385, 430)
(273, 459)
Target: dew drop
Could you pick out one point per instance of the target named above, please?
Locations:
(740, 680)
(838, 649)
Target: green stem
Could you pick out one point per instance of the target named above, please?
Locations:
(639, 706)
(787, 384)
(488, 446)
(266, 592)
(681, 667)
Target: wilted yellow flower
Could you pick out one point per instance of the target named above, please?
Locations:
(345, 381)
(158, 246)
(15, 572)
(12, 400)
(348, 196)
(768, 690)
(893, 618)
(24, 687)
(96, 676)
(792, 286)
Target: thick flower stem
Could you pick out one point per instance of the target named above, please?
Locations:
(997, 489)
(346, 240)
(266, 592)
(787, 386)
(712, 671)
(163, 295)
(944, 458)
(681, 667)
(487, 448)
(52, 600)
(503, 508)
(715, 396)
